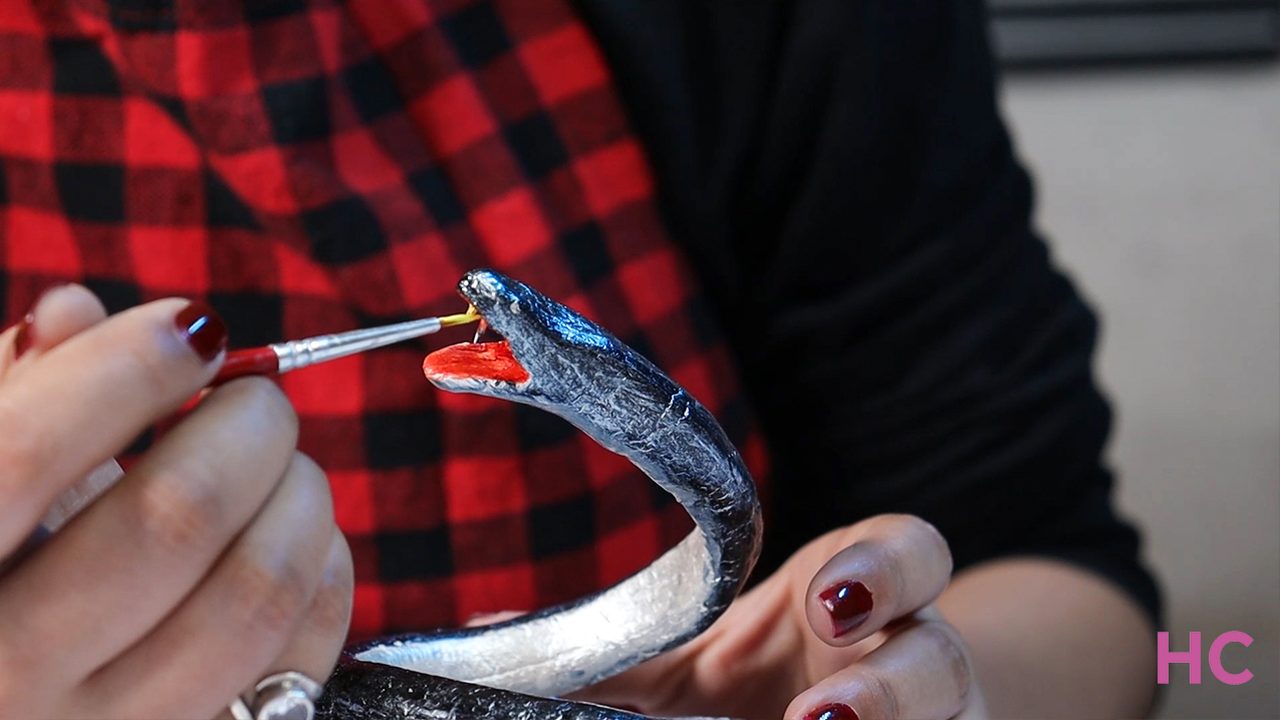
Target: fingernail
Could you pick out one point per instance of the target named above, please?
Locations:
(849, 603)
(24, 337)
(834, 711)
(202, 329)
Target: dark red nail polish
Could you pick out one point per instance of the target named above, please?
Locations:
(24, 337)
(849, 603)
(834, 711)
(202, 329)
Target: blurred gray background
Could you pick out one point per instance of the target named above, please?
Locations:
(1159, 187)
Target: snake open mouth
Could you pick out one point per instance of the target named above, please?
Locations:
(490, 360)
(475, 361)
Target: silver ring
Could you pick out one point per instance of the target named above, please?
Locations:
(283, 696)
(239, 710)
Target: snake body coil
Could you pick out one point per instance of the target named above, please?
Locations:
(580, 372)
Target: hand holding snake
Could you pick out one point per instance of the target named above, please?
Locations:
(845, 629)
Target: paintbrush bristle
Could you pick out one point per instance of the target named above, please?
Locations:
(465, 318)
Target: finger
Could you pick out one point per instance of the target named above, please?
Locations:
(236, 622)
(313, 650)
(896, 565)
(92, 394)
(61, 312)
(134, 554)
(921, 672)
(493, 618)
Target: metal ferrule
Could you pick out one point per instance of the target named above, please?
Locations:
(301, 353)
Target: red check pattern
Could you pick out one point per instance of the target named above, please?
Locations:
(315, 166)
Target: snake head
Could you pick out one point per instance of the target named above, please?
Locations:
(543, 351)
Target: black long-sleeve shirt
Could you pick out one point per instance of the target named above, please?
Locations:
(840, 176)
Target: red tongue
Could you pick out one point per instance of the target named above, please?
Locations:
(489, 361)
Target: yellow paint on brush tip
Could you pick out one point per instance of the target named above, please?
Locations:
(466, 318)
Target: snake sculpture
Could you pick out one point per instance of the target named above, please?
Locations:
(553, 358)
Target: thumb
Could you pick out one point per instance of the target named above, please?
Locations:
(59, 313)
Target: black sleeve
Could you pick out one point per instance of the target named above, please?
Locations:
(839, 176)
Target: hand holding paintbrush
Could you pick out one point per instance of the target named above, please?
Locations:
(170, 588)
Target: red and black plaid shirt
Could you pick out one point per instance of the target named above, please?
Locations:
(309, 167)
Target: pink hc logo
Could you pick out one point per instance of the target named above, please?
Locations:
(1191, 658)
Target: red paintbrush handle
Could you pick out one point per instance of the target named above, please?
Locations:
(250, 361)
